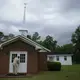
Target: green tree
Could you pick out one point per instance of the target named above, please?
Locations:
(49, 43)
(67, 48)
(35, 37)
(29, 36)
(76, 42)
(1, 35)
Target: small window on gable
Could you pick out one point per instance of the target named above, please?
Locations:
(57, 58)
(65, 58)
(50, 58)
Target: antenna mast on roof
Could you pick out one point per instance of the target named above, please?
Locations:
(24, 16)
(24, 32)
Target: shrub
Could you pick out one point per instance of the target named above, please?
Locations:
(54, 66)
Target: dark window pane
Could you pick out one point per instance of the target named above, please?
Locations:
(13, 56)
(22, 58)
(65, 58)
(57, 57)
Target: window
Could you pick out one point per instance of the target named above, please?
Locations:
(57, 58)
(50, 58)
(65, 58)
(13, 56)
(22, 58)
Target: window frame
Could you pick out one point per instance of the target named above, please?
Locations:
(65, 58)
(50, 58)
(57, 58)
(13, 56)
(22, 58)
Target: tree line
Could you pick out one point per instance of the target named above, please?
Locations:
(51, 44)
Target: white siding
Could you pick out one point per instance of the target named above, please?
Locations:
(61, 59)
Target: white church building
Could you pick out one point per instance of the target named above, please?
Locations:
(64, 59)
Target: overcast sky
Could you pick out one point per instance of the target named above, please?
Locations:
(58, 18)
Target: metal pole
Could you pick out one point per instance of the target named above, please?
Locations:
(23, 32)
(24, 16)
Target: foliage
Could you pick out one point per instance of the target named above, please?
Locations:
(35, 37)
(54, 66)
(1, 35)
(76, 42)
(5, 37)
(49, 43)
(67, 48)
(29, 36)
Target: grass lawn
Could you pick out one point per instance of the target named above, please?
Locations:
(67, 73)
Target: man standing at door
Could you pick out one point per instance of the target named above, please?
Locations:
(15, 65)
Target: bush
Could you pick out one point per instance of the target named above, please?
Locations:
(54, 66)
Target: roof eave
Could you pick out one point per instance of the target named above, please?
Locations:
(36, 45)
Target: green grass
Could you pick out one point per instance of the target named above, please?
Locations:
(67, 73)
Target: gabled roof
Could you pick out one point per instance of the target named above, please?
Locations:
(26, 40)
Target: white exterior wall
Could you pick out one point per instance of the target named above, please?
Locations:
(61, 59)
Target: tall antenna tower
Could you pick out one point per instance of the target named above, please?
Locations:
(24, 16)
(24, 32)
